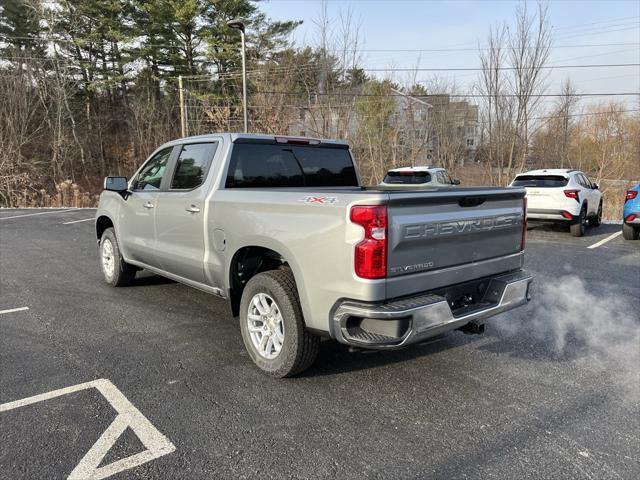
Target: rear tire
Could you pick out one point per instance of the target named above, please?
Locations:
(629, 232)
(294, 349)
(578, 228)
(115, 270)
(597, 220)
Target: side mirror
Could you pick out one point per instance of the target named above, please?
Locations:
(116, 184)
(595, 186)
(455, 182)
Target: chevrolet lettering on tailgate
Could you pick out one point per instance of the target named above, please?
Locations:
(453, 227)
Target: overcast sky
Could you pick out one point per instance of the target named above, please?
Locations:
(401, 25)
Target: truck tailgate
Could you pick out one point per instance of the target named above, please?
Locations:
(450, 236)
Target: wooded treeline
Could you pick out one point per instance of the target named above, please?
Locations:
(90, 88)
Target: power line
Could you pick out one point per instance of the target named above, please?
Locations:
(363, 50)
(475, 69)
(637, 48)
(469, 95)
(475, 49)
(546, 117)
(571, 31)
(610, 20)
(586, 114)
(6, 38)
(598, 32)
(368, 69)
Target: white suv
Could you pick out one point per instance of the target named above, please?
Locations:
(561, 195)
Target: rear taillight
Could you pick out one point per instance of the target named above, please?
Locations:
(630, 218)
(571, 194)
(631, 194)
(524, 224)
(371, 253)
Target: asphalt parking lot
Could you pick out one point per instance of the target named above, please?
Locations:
(158, 384)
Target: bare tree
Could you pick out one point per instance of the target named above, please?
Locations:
(512, 79)
(565, 109)
(497, 114)
(529, 47)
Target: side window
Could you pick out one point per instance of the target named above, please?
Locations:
(577, 179)
(192, 165)
(583, 181)
(151, 174)
(590, 183)
(446, 177)
(440, 177)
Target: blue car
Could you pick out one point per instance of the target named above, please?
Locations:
(631, 214)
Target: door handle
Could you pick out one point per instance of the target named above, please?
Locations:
(192, 209)
(148, 205)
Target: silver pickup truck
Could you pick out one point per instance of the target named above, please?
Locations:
(282, 229)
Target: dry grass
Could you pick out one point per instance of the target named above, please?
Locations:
(68, 194)
(613, 193)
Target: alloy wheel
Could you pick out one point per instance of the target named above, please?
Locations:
(265, 325)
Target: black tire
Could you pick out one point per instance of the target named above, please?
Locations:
(299, 347)
(597, 220)
(122, 273)
(629, 232)
(578, 228)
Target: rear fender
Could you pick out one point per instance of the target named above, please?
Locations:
(288, 257)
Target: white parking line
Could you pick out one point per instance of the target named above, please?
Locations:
(77, 221)
(11, 310)
(129, 416)
(39, 213)
(605, 240)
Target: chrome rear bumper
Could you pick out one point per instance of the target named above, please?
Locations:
(410, 320)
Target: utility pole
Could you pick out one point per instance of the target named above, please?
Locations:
(238, 25)
(244, 84)
(183, 117)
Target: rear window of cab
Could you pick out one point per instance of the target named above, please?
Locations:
(272, 166)
(543, 181)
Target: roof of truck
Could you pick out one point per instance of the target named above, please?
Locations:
(237, 137)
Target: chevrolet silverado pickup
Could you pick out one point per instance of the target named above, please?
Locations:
(282, 229)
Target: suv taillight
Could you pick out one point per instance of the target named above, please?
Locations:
(571, 194)
(631, 194)
(371, 253)
(524, 224)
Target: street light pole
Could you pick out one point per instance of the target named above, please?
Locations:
(238, 25)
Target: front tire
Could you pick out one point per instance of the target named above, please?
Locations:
(115, 270)
(272, 325)
(578, 228)
(629, 232)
